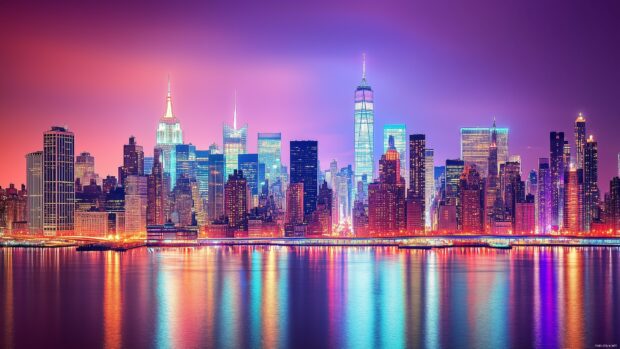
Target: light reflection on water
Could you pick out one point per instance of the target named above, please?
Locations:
(310, 297)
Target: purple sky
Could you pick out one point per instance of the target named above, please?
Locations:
(101, 67)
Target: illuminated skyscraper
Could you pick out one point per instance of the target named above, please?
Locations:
(470, 201)
(58, 181)
(133, 160)
(234, 143)
(185, 158)
(398, 131)
(235, 201)
(269, 153)
(215, 203)
(557, 176)
(85, 168)
(475, 145)
(136, 202)
(364, 130)
(202, 173)
(248, 164)
(590, 183)
(580, 140)
(169, 134)
(417, 187)
(304, 169)
(544, 196)
(34, 183)
(454, 169)
(156, 194)
(429, 185)
(573, 200)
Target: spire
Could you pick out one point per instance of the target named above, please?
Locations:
(169, 102)
(235, 112)
(363, 66)
(494, 134)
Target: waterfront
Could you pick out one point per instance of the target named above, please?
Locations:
(280, 296)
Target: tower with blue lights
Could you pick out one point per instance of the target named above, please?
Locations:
(364, 129)
(169, 134)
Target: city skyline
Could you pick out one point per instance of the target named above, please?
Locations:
(426, 84)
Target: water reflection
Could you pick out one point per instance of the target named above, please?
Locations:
(317, 296)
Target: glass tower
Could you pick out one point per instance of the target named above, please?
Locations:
(364, 130)
(304, 165)
(248, 164)
(34, 183)
(234, 143)
(169, 134)
(269, 153)
(475, 144)
(58, 181)
(398, 131)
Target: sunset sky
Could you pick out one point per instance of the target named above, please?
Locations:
(100, 68)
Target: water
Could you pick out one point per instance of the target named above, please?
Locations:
(315, 297)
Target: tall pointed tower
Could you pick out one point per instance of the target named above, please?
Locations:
(364, 131)
(169, 134)
(235, 141)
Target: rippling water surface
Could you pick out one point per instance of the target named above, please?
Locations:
(310, 297)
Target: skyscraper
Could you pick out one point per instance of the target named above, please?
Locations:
(269, 153)
(545, 196)
(58, 181)
(34, 183)
(202, 173)
(215, 203)
(454, 169)
(248, 164)
(590, 183)
(557, 177)
(234, 143)
(475, 145)
(133, 160)
(470, 201)
(156, 195)
(304, 169)
(235, 201)
(398, 131)
(169, 134)
(417, 187)
(429, 185)
(136, 201)
(185, 158)
(364, 130)
(573, 200)
(85, 168)
(580, 140)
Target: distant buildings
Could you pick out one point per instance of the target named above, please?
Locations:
(85, 168)
(133, 161)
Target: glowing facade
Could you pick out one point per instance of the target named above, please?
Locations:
(235, 141)
(429, 184)
(364, 130)
(475, 144)
(591, 193)
(270, 153)
(34, 183)
(58, 181)
(399, 132)
(169, 134)
(580, 140)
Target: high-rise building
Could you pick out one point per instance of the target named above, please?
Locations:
(591, 193)
(248, 164)
(580, 140)
(58, 181)
(215, 203)
(557, 177)
(453, 171)
(183, 202)
(399, 132)
(169, 134)
(364, 130)
(417, 188)
(386, 198)
(270, 153)
(202, 174)
(34, 183)
(475, 145)
(493, 204)
(321, 222)
(304, 169)
(13, 209)
(156, 195)
(148, 165)
(545, 196)
(235, 201)
(525, 216)
(613, 207)
(136, 201)
(235, 141)
(471, 201)
(133, 160)
(429, 185)
(85, 168)
(185, 158)
(573, 200)
(295, 203)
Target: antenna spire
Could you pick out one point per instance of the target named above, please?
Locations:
(169, 102)
(363, 66)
